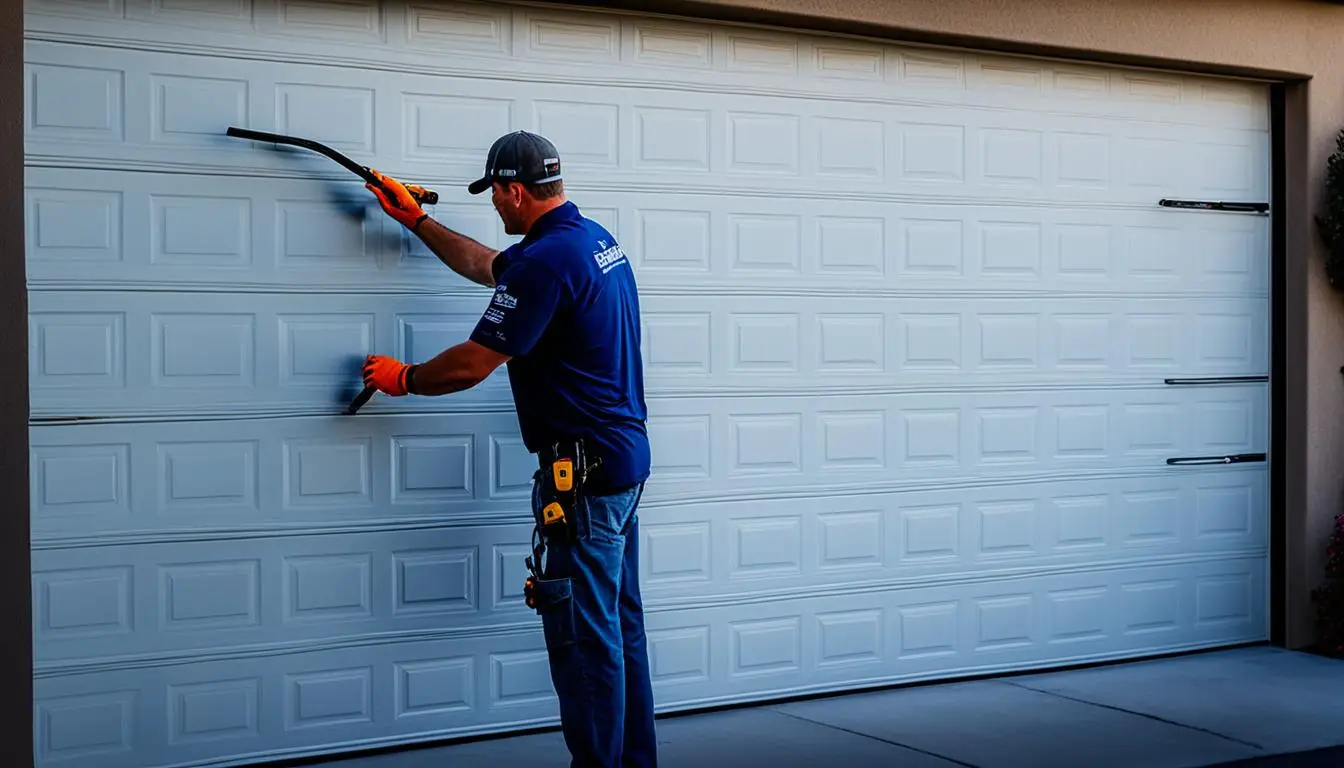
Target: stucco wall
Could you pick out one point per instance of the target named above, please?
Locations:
(1291, 39)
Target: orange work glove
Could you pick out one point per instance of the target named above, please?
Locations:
(397, 200)
(387, 375)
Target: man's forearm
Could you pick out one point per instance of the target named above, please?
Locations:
(455, 369)
(460, 253)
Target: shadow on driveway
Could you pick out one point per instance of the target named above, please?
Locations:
(1331, 757)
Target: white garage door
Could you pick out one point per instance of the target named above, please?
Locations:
(909, 320)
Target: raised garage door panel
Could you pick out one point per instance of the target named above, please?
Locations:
(908, 317)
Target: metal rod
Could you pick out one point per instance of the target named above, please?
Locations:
(1236, 458)
(424, 196)
(1214, 205)
(1215, 380)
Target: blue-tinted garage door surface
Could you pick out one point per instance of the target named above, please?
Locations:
(909, 315)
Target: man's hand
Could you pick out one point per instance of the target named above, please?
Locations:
(387, 375)
(462, 254)
(397, 200)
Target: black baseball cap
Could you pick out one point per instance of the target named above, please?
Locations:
(519, 156)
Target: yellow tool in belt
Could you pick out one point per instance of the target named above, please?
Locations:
(562, 473)
(553, 513)
(553, 520)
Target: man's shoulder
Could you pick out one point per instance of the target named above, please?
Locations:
(573, 252)
(596, 248)
(568, 252)
(525, 256)
(579, 234)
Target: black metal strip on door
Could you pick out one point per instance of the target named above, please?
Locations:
(1236, 458)
(1198, 380)
(1214, 205)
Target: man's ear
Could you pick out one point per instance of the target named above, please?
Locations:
(517, 193)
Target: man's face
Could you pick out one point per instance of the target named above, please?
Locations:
(506, 201)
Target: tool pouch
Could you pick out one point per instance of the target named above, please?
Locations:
(563, 471)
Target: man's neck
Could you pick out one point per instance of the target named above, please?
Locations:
(544, 207)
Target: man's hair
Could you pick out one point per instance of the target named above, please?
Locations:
(546, 191)
(539, 191)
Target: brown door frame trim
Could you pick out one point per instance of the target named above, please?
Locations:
(1292, 239)
(16, 677)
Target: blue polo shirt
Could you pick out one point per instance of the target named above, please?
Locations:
(566, 309)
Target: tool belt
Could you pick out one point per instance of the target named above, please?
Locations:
(564, 468)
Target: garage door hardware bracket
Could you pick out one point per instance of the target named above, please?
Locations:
(1216, 380)
(1211, 205)
(421, 195)
(1236, 458)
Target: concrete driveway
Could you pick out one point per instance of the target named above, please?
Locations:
(1255, 706)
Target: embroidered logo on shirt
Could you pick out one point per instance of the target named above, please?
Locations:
(494, 315)
(609, 258)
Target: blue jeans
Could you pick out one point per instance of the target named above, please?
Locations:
(593, 621)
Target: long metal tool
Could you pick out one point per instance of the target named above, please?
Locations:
(421, 195)
(359, 401)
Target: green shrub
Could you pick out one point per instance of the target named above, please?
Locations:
(1329, 597)
(1331, 224)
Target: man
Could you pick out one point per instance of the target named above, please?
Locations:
(564, 317)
